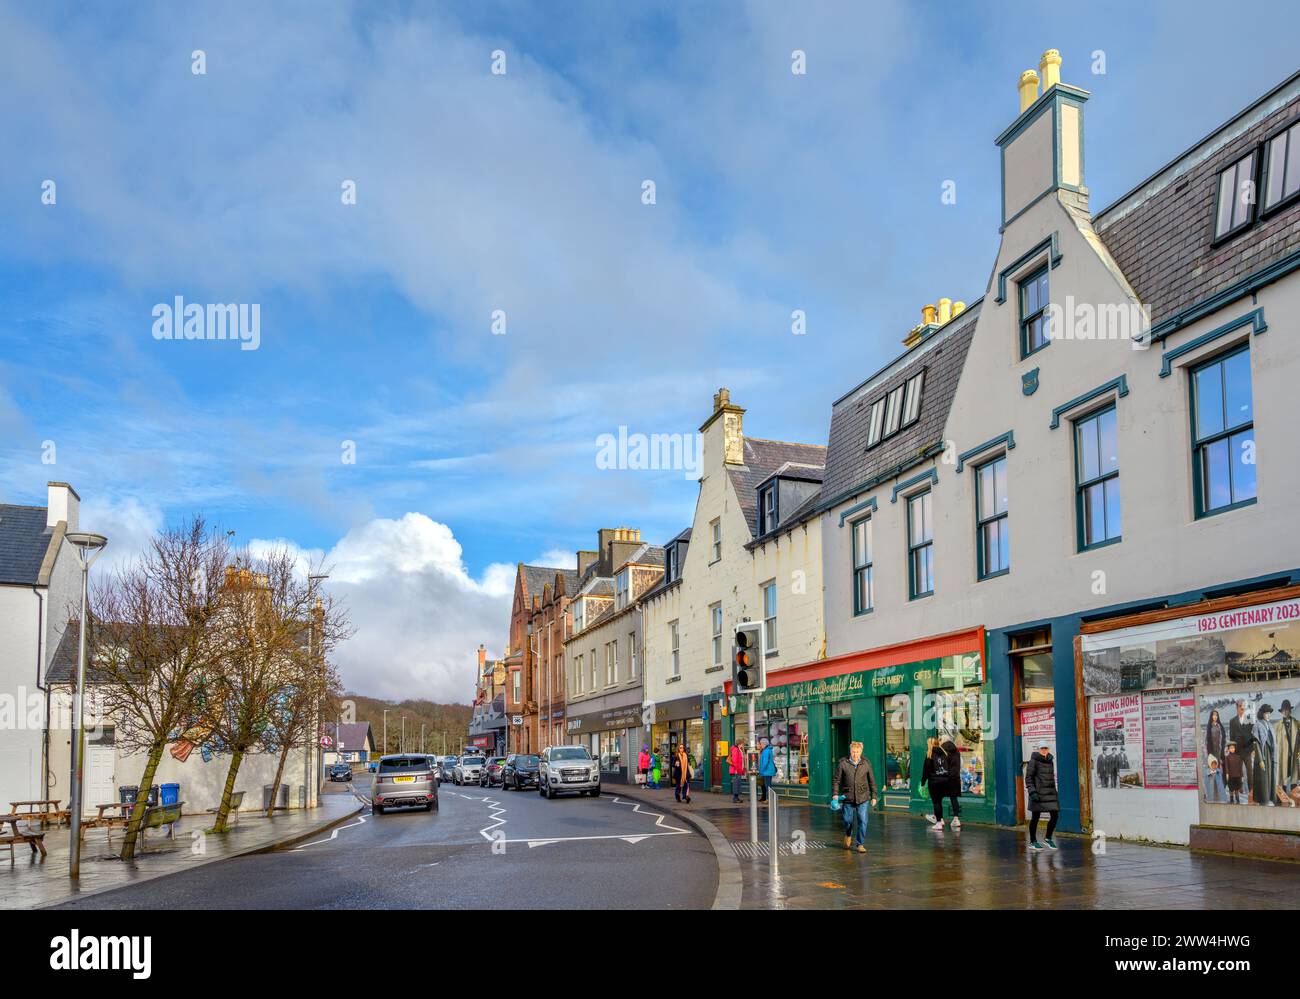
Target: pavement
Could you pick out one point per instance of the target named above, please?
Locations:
(483, 848)
(909, 865)
(30, 882)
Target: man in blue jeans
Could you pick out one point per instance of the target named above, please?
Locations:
(766, 768)
(854, 780)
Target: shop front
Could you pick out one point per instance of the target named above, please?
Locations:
(892, 700)
(610, 731)
(677, 723)
(1193, 724)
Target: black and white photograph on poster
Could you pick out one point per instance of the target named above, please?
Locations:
(1117, 741)
(1250, 747)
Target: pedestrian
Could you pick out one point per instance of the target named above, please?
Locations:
(856, 781)
(681, 775)
(736, 765)
(766, 768)
(942, 771)
(655, 764)
(1040, 785)
(643, 765)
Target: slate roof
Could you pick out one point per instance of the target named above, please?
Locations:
(537, 577)
(354, 734)
(647, 554)
(762, 458)
(849, 465)
(1160, 233)
(24, 539)
(805, 510)
(63, 668)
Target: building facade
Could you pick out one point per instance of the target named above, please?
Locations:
(753, 552)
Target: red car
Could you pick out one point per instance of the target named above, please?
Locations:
(492, 772)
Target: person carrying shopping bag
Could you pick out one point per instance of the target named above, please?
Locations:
(855, 780)
(736, 766)
(643, 765)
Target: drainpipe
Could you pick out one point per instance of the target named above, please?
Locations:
(40, 663)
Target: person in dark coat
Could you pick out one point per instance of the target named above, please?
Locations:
(1216, 736)
(856, 781)
(942, 775)
(1241, 730)
(1040, 787)
(1263, 778)
(1234, 772)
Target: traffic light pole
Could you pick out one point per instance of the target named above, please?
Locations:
(753, 778)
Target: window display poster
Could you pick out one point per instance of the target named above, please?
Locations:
(1037, 728)
(1117, 741)
(1249, 742)
(1169, 739)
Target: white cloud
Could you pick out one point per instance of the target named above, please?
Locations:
(418, 613)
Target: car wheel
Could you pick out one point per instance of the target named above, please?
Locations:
(541, 789)
(378, 810)
(594, 792)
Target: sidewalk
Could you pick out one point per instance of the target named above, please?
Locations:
(31, 883)
(910, 866)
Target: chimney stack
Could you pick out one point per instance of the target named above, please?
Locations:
(1049, 68)
(733, 427)
(62, 503)
(1028, 89)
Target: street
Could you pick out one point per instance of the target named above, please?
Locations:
(481, 849)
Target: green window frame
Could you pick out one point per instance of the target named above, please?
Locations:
(1223, 433)
(992, 522)
(920, 546)
(864, 593)
(1097, 508)
(1034, 298)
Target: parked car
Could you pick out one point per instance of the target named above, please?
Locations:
(447, 768)
(492, 772)
(567, 768)
(372, 766)
(519, 771)
(404, 780)
(340, 771)
(468, 770)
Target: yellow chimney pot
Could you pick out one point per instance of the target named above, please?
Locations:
(945, 310)
(1049, 67)
(958, 308)
(928, 314)
(1028, 88)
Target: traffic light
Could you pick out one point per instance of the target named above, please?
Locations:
(748, 672)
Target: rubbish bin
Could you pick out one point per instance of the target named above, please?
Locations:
(284, 797)
(127, 793)
(266, 796)
(171, 793)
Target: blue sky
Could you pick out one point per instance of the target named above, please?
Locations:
(520, 192)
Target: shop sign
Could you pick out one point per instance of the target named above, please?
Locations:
(885, 681)
(1037, 728)
(1247, 644)
(516, 719)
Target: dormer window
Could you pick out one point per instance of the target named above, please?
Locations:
(1235, 206)
(621, 588)
(1282, 167)
(577, 615)
(895, 411)
(767, 509)
(670, 564)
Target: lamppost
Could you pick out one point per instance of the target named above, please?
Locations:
(384, 751)
(402, 748)
(313, 735)
(89, 547)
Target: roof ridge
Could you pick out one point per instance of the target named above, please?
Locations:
(769, 440)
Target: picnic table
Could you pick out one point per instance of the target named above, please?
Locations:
(36, 840)
(108, 821)
(43, 809)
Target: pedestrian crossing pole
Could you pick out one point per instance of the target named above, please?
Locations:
(753, 778)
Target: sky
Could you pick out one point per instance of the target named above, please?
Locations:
(499, 292)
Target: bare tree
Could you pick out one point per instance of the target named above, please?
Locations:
(153, 655)
(265, 663)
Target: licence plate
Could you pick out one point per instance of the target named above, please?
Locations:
(403, 780)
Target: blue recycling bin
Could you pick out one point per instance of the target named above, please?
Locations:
(171, 793)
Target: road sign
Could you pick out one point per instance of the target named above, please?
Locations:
(326, 741)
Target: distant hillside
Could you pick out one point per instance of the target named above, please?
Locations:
(440, 720)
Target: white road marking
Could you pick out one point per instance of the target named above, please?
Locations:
(626, 838)
(361, 819)
(497, 812)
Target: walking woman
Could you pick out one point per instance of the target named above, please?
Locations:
(643, 766)
(681, 774)
(1040, 787)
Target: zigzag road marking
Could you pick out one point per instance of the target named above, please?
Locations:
(333, 835)
(636, 808)
(497, 812)
(632, 838)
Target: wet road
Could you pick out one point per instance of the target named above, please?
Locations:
(482, 849)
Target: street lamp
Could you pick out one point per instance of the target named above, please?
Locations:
(89, 547)
(307, 749)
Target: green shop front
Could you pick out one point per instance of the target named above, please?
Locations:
(892, 700)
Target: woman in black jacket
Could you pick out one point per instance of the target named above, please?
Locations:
(942, 774)
(1040, 787)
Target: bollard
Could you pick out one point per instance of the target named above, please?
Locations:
(774, 825)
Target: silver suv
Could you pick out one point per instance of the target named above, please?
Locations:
(568, 768)
(468, 770)
(404, 780)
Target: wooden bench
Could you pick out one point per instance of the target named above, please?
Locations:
(157, 816)
(236, 802)
(36, 840)
(108, 822)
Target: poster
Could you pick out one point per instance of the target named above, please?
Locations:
(1169, 739)
(1117, 741)
(1037, 727)
(1249, 644)
(1249, 745)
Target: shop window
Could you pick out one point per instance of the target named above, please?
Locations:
(898, 751)
(1223, 427)
(1031, 658)
(920, 546)
(960, 717)
(992, 522)
(1096, 478)
(787, 733)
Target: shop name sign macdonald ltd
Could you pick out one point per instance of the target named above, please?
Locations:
(881, 682)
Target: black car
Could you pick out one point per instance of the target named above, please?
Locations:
(340, 771)
(519, 771)
(445, 768)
